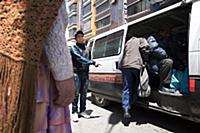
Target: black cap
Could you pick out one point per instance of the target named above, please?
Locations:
(78, 32)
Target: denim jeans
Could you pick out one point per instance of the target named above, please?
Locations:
(131, 79)
(81, 85)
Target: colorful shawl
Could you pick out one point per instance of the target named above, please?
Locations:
(24, 26)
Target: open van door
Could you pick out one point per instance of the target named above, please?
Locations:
(194, 40)
(107, 50)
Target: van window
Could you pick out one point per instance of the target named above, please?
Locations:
(108, 46)
(90, 44)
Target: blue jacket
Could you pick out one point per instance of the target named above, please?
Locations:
(157, 54)
(80, 59)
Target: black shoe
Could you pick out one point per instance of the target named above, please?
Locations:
(127, 115)
(127, 118)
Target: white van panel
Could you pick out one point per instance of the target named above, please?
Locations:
(107, 65)
(194, 63)
(194, 40)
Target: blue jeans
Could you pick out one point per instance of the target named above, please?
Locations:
(81, 85)
(131, 79)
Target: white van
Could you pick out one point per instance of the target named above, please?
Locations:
(107, 49)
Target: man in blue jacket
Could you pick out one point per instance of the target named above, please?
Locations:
(80, 57)
(160, 64)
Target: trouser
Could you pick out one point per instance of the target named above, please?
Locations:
(81, 85)
(165, 72)
(131, 78)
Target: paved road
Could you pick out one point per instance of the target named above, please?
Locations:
(109, 120)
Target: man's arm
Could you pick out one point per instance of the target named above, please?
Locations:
(80, 58)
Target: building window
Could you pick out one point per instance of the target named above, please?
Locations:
(138, 7)
(102, 7)
(98, 0)
(73, 19)
(84, 1)
(87, 26)
(72, 32)
(109, 45)
(103, 22)
(87, 9)
(73, 8)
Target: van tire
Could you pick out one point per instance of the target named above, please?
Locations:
(98, 100)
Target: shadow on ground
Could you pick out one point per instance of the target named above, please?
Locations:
(142, 116)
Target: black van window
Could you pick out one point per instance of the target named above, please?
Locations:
(108, 46)
(99, 48)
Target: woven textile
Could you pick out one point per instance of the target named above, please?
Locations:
(24, 26)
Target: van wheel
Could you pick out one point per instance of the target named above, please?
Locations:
(98, 100)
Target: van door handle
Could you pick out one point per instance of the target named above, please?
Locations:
(117, 64)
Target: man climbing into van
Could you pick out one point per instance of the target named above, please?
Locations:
(176, 48)
(130, 65)
(80, 58)
(160, 64)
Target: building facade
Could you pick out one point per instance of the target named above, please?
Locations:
(139, 8)
(109, 15)
(94, 16)
(97, 16)
(87, 18)
(73, 18)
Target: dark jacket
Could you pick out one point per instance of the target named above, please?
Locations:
(157, 54)
(80, 59)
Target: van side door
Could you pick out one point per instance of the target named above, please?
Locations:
(106, 51)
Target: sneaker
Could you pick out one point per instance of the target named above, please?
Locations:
(165, 89)
(75, 117)
(170, 92)
(178, 93)
(85, 115)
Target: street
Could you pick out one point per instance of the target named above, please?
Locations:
(109, 120)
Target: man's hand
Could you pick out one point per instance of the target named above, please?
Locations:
(97, 65)
(66, 90)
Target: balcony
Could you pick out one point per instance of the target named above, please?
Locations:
(73, 8)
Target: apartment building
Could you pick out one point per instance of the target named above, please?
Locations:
(97, 16)
(87, 18)
(73, 17)
(109, 14)
(139, 8)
